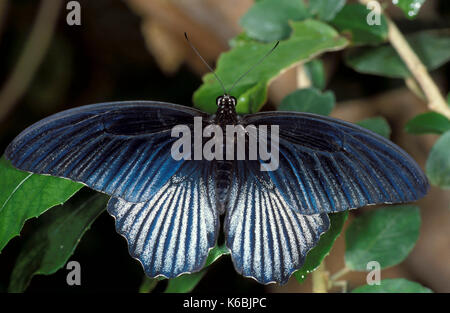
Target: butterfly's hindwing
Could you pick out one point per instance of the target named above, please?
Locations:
(267, 238)
(172, 232)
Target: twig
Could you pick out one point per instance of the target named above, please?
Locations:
(31, 57)
(335, 282)
(412, 85)
(303, 80)
(436, 101)
(320, 279)
(339, 274)
(343, 284)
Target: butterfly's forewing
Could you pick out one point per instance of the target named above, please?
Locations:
(163, 207)
(173, 231)
(327, 165)
(121, 148)
(267, 237)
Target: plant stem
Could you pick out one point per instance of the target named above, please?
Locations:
(436, 101)
(320, 279)
(411, 83)
(303, 80)
(31, 57)
(343, 284)
(339, 274)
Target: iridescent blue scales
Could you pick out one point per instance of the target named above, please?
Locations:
(169, 210)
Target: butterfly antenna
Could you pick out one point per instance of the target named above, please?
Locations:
(254, 65)
(207, 65)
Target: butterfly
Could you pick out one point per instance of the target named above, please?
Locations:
(168, 208)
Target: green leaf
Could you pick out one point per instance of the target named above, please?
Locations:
(438, 162)
(428, 123)
(326, 10)
(316, 73)
(396, 285)
(49, 248)
(216, 253)
(268, 20)
(187, 282)
(309, 39)
(308, 100)
(386, 235)
(24, 195)
(240, 39)
(378, 125)
(432, 48)
(184, 283)
(352, 20)
(319, 252)
(409, 7)
(148, 284)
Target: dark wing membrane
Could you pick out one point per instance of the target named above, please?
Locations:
(328, 165)
(120, 148)
(172, 232)
(268, 239)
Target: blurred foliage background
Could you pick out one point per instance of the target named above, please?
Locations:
(135, 49)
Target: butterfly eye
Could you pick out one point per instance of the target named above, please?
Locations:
(219, 101)
(233, 100)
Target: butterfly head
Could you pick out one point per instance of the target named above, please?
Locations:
(226, 101)
(226, 109)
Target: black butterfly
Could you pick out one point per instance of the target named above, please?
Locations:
(168, 210)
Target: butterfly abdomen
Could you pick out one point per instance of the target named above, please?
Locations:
(223, 172)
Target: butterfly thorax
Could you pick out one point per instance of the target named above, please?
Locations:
(226, 111)
(225, 115)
